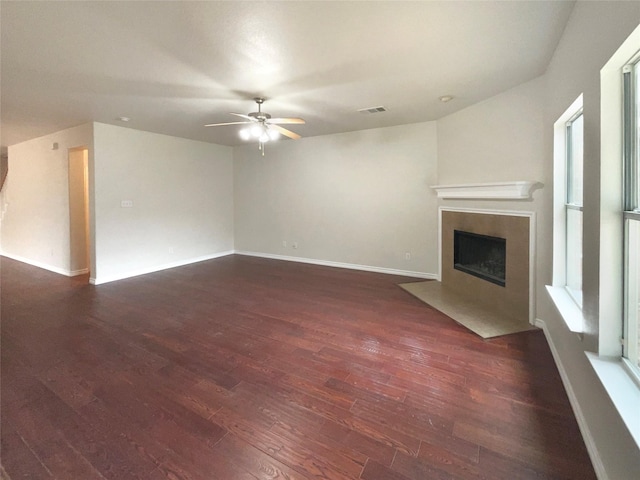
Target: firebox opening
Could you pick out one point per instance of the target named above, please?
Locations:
(480, 255)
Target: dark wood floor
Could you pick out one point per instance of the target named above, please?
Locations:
(246, 368)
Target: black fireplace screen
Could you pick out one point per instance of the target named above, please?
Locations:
(480, 255)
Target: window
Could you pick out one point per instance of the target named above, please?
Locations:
(573, 206)
(631, 202)
(566, 291)
(616, 367)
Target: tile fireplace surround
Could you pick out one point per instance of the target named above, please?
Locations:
(515, 298)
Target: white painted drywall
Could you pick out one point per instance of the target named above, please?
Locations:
(182, 195)
(35, 226)
(499, 140)
(358, 198)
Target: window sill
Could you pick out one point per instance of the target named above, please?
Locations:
(622, 389)
(567, 307)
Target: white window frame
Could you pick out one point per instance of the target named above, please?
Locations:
(630, 350)
(573, 204)
(569, 308)
(622, 385)
(631, 208)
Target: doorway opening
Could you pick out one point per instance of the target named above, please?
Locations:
(79, 232)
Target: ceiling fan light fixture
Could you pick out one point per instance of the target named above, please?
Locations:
(256, 131)
(273, 134)
(264, 138)
(245, 134)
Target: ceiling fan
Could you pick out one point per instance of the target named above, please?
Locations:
(261, 126)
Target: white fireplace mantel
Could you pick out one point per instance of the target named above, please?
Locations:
(517, 190)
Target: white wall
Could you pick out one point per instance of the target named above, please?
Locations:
(359, 198)
(182, 194)
(35, 225)
(501, 139)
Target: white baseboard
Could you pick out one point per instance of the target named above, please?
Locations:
(351, 266)
(45, 266)
(82, 271)
(156, 268)
(598, 466)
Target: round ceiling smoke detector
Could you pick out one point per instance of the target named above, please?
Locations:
(446, 98)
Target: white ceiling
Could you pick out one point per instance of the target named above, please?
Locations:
(174, 66)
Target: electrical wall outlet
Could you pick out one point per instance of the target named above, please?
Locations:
(407, 256)
(284, 243)
(294, 245)
(126, 203)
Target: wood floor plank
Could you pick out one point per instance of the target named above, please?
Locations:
(520, 446)
(356, 440)
(437, 464)
(331, 411)
(255, 462)
(18, 459)
(508, 468)
(375, 471)
(244, 368)
(65, 461)
(112, 454)
(292, 452)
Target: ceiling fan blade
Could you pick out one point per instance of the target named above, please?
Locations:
(243, 116)
(285, 121)
(285, 132)
(227, 123)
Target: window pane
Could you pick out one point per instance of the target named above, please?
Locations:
(632, 224)
(637, 132)
(574, 161)
(574, 216)
(574, 254)
(632, 304)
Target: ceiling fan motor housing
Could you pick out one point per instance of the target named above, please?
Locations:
(260, 116)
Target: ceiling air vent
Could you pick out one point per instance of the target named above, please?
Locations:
(373, 109)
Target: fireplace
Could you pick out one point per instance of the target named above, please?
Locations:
(483, 256)
(511, 291)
